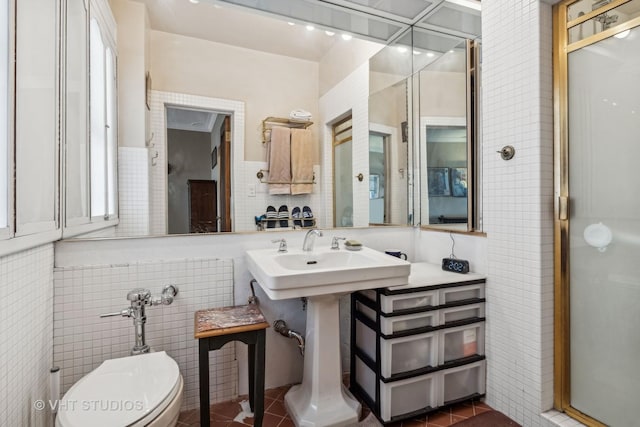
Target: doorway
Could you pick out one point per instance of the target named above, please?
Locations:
(342, 173)
(198, 171)
(597, 227)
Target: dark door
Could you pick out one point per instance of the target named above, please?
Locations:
(225, 174)
(202, 206)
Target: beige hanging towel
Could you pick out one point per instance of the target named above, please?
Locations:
(301, 161)
(280, 160)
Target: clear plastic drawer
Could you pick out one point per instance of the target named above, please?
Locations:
(399, 355)
(462, 382)
(460, 342)
(414, 300)
(461, 293)
(461, 312)
(392, 325)
(406, 396)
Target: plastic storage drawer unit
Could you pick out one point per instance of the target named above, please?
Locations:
(460, 342)
(463, 382)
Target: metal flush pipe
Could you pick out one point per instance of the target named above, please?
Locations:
(281, 327)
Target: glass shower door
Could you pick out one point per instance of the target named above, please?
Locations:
(604, 239)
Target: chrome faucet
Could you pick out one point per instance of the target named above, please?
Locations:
(309, 239)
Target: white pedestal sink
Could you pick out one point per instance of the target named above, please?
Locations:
(323, 276)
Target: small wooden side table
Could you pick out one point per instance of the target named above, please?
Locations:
(217, 326)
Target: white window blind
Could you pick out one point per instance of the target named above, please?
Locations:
(4, 113)
(98, 122)
(77, 114)
(36, 110)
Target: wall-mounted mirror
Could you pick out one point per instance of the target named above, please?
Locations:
(177, 35)
(446, 132)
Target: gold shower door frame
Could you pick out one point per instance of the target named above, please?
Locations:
(561, 50)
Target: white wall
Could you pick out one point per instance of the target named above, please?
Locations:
(269, 85)
(132, 112)
(344, 57)
(189, 153)
(351, 95)
(26, 316)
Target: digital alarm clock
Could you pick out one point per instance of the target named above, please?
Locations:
(455, 265)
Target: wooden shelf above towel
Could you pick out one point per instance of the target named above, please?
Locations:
(269, 122)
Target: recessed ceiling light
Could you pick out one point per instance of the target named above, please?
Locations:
(401, 49)
(451, 51)
(622, 35)
(195, 1)
(347, 37)
(291, 23)
(330, 33)
(431, 54)
(310, 27)
(416, 52)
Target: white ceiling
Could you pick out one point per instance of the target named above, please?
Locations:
(262, 25)
(236, 27)
(190, 119)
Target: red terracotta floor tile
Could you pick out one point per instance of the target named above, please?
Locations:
(480, 407)
(286, 422)
(277, 408)
(464, 410)
(225, 411)
(271, 420)
(440, 419)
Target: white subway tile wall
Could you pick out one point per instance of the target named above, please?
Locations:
(133, 188)
(518, 206)
(26, 342)
(82, 340)
(158, 184)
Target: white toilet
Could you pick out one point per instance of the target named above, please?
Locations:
(142, 390)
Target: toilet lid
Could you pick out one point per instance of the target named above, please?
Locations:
(121, 392)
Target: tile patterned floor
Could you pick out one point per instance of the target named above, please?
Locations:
(222, 414)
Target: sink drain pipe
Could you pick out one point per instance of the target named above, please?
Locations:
(281, 327)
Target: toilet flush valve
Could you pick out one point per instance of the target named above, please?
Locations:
(139, 298)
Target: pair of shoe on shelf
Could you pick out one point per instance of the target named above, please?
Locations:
(283, 215)
(306, 213)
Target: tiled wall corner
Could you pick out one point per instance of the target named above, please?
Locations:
(82, 340)
(133, 184)
(26, 336)
(518, 206)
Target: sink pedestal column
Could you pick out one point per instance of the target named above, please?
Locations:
(321, 399)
